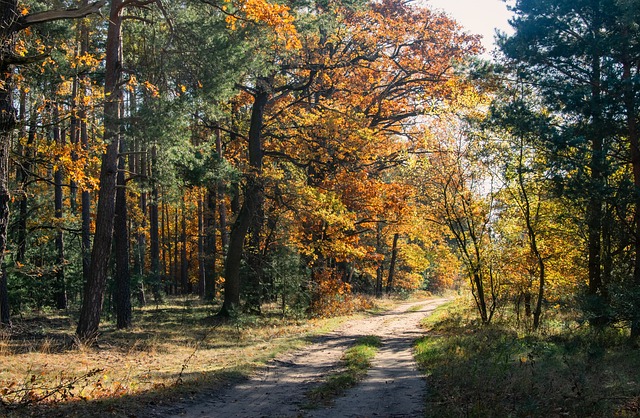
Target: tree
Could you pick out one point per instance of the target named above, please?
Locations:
(12, 22)
(575, 54)
(100, 253)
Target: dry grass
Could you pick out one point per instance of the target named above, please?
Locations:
(173, 351)
(498, 370)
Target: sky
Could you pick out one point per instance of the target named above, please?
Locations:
(480, 17)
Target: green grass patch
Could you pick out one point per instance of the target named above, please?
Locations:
(356, 361)
(482, 371)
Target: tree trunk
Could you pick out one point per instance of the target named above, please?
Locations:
(73, 140)
(95, 286)
(202, 277)
(122, 294)
(250, 210)
(596, 288)
(23, 179)
(8, 13)
(634, 148)
(5, 314)
(392, 263)
(176, 241)
(154, 238)
(211, 245)
(380, 269)
(184, 262)
(60, 294)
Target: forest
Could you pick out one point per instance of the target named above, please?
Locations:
(310, 158)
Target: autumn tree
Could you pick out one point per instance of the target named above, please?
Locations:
(12, 22)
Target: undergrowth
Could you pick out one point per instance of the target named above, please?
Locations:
(498, 370)
(174, 351)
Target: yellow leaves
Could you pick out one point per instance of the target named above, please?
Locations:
(87, 61)
(274, 15)
(20, 48)
(152, 89)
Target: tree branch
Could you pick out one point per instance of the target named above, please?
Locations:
(51, 15)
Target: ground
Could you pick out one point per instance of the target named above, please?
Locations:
(393, 386)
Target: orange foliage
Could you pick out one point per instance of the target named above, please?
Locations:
(331, 296)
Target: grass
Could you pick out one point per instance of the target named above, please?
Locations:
(497, 370)
(174, 351)
(355, 363)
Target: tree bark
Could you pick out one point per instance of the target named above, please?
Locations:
(211, 245)
(60, 294)
(634, 148)
(122, 294)
(85, 197)
(251, 207)
(23, 179)
(5, 314)
(202, 257)
(184, 261)
(154, 238)
(95, 287)
(392, 263)
(8, 13)
(379, 251)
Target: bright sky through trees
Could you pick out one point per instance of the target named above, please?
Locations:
(481, 17)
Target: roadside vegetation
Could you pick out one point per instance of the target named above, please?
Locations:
(175, 351)
(501, 369)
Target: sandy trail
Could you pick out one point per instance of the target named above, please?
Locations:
(393, 386)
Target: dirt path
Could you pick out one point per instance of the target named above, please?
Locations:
(393, 387)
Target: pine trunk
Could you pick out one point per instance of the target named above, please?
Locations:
(60, 294)
(249, 214)
(95, 287)
(122, 294)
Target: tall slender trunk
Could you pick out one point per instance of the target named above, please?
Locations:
(176, 245)
(95, 286)
(202, 272)
(184, 262)
(166, 249)
(211, 244)
(634, 148)
(23, 180)
(85, 198)
(138, 165)
(154, 238)
(5, 313)
(392, 263)
(73, 140)
(250, 210)
(379, 251)
(222, 206)
(8, 13)
(596, 286)
(122, 294)
(60, 294)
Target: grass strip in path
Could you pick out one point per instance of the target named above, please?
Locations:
(356, 361)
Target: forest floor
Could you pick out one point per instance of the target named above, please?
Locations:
(393, 387)
(180, 360)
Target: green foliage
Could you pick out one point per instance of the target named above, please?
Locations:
(287, 278)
